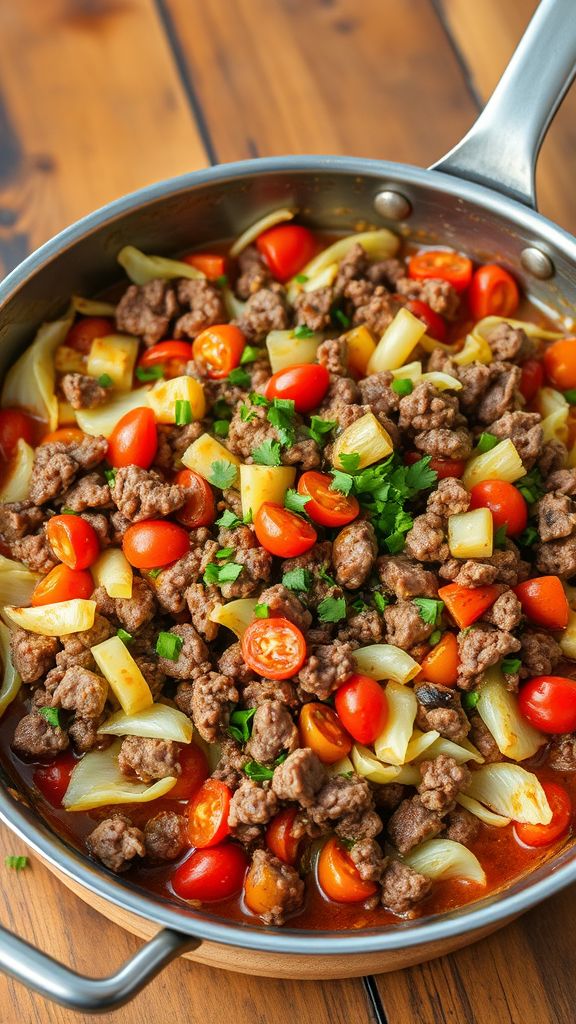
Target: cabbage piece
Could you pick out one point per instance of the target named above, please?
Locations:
(60, 619)
(204, 452)
(141, 268)
(263, 224)
(103, 419)
(16, 485)
(234, 306)
(125, 678)
(365, 437)
(342, 767)
(461, 752)
(442, 381)
(285, 350)
(378, 245)
(235, 615)
(366, 764)
(384, 661)
(11, 681)
(92, 307)
(159, 721)
(419, 743)
(16, 581)
(488, 323)
(97, 781)
(392, 743)
(397, 343)
(113, 571)
(443, 858)
(30, 382)
(498, 709)
(484, 813)
(512, 792)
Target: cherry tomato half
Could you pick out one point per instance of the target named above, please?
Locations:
(73, 541)
(466, 604)
(442, 467)
(286, 248)
(560, 363)
(443, 265)
(200, 506)
(305, 384)
(53, 779)
(274, 648)
(194, 765)
(84, 331)
(339, 877)
(210, 875)
(544, 601)
(322, 731)
(217, 349)
(154, 543)
(549, 703)
(326, 507)
(441, 664)
(283, 532)
(362, 708)
(544, 835)
(209, 263)
(15, 425)
(532, 378)
(493, 292)
(505, 502)
(134, 440)
(279, 837)
(262, 888)
(208, 814)
(170, 355)
(62, 584)
(66, 435)
(435, 324)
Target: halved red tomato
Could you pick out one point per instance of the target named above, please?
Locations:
(170, 356)
(86, 330)
(339, 877)
(208, 814)
(212, 264)
(154, 543)
(73, 540)
(279, 836)
(200, 506)
(217, 350)
(442, 467)
(282, 532)
(134, 440)
(62, 584)
(543, 835)
(443, 264)
(211, 875)
(274, 648)
(493, 292)
(194, 771)
(15, 425)
(53, 779)
(286, 248)
(326, 507)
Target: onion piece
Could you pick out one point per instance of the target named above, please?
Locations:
(31, 382)
(392, 743)
(60, 619)
(159, 721)
(384, 661)
(512, 792)
(235, 615)
(16, 484)
(11, 681)
(97, 781)
(141, 268)
(269, 220)
(17, 582)
(443, 858)
(125, 678)
(480, 811)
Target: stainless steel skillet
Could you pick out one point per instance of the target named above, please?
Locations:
(479, 198)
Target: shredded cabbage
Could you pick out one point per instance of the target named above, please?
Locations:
(366, 764)
(97, 781)
(16, 581)
(16, 486)
(103, 419)
(498, 709)
(512, 792)
(484, 813)
(263, 224)
(159, 721)
(384, 661)
(11, 681)
(443, 858)
(30, 382)
(392, 743)
(141, 268)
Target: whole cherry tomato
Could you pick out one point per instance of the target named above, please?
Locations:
(442, 663)
(85, 331)
(154, 543)
(532, 378)
(493, 292)
(62, 584)
(280, 838)
(211, 264)
(66, 435)
(53, 779)
(200, 506)
(443, 265)
(134, 440)
(73, 540)
(362, 708)
(283, 532)
(208, 814)
(322, 731)
(339, 877)
(217, 349)
(326, 507)
(549, 703)
(274, 648)
(505, 502)
(435, 324)
(169, 357)
(210, 875)
(194, 771)
(543, 835)
(544, 601)
(560, 364)
(286, 248)
(442, 467)
(304, 384)
(15, 425)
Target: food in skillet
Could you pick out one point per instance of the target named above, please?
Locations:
(287, 533)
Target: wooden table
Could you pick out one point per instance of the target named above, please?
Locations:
(99, 97)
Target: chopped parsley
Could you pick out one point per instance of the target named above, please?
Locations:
(570, 396)
(510, 666)
(435, 637)
(146, 373)
(105, 380)
(319, 429)
(250, 354)
(224, 552)
(110, 475)
(303, 331)
(297, 579)
(182, 412)
(240, 727)
(222, 474)
(221, 409)
(531, 486)
(332, 609)
(430, 609)
(359, 606)
(350, 461)
(221, 280)
(15, 862)
(247, 414)
(261, 611)
(68, 512)
(281, 415)
(154, 573)
(221, 428)
(402, 386)
(241, 378)
(227, 573)
(267, 453)
(326, 577)
(124, 636)
(52, 716)
(342, 482)
(296, 502)
(486, 442)
(228, 519)
(380, 601)
(301, 278)
(260, 772)
(528, 537)
(470, 700)
(339, 317)
(169, 645)
(500, 536)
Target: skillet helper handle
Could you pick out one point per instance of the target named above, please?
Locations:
(54, 981)
(501, 148)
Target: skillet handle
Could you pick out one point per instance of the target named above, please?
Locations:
(501, 148)
(54, 981)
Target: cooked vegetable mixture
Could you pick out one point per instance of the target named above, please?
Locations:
(286, 535)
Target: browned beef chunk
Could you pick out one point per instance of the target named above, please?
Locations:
(426, 542)
(260, 690)
(76, 647)
(341, 797)
(252, 805)
(201, 601)
(18, 518)
(288, 886)
(152, 672)
(501, 394)
(556, 516)
(118, 525)
(353, 265)
(165, 836)
(524, 430)
(33, 655)
(89, 491)
(508, 342)
(172, 583)
(411, 824)
(363, 824)
(449, 499)
(264, 311)
(363, 627)
(354, 553)
(313, 308)
(130, 612)
(254, 272)
(193, 654)
(82, 392)
(373, 305)
(35, 551)
(256, 565)
(333, 354)
(405, 626)
(148, 759)
(273, 732)
(213, 697)
(231, 763)
(377, 393)
(479, 648)
(173, 442)
(283, 602)
(403, 888)
(557, 557)
(483, 740)
(203, 301)
(231, 663)
(84, 735)
(540, 653)
(475, 380)
(562, 752)
(146, 310)
(100, 523)
(461, 826)
(244, 437)
(426, 408)
(116, 843)
(326, 668)
(342, 393)
(440, 708)
(56, 465)
(299, 777)
(442, 780)
(506, 611)
(406, 579)
(35, 737)
(440, 295)
(552, 457)
(142, 494)
(504, 566)
(561, 480)
(388, 796)
(81, 691)
(369, 859)
(444, 443)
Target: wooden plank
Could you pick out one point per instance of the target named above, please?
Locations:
(91, 106)
(374, 79)
(486, 34)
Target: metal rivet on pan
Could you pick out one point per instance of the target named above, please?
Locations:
(537, 263)
(392, 205)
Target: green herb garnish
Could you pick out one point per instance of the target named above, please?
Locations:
(52, 716)
(531, 486)
(227, 573)
(470, 700)
(303, 331)
(261, 611)
(510, 666)
(169, 645)
(240, 727)
(380, 602)
(182, 412)
(486, 442)
(332, 609)
(402, 386)
(430, 609)
(301, 278)
(105, 380)
(296, 502)
(267, 454)
(146, 373)
(124, 636)
(297, 579)
(239, 377)
(221, 428)
(222, 474)
(319, 429)
(18, 863)
(250, 354)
